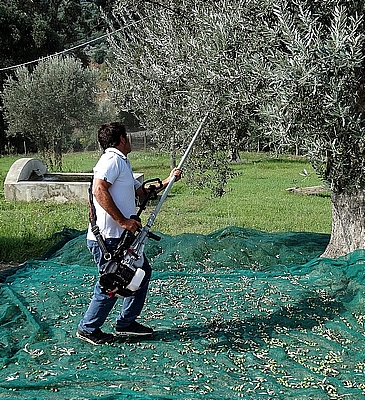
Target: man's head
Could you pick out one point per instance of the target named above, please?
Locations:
(112, 134)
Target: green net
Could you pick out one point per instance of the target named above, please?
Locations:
(237, 313)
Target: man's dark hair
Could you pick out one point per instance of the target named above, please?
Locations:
(109, 134)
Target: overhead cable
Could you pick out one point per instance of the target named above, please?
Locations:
(71, 48)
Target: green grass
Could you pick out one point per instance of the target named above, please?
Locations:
(256, 198)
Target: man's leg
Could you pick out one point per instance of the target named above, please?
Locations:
(133, 305)
(101, 304)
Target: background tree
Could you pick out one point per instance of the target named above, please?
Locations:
(50, 103)
(33, 29)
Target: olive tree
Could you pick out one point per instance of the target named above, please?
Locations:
(316, 97)
(290, 71)
(47, 104)
(175, 60)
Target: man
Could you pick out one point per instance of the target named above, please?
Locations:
(114, 194)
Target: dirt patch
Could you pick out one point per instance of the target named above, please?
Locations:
(308, 190)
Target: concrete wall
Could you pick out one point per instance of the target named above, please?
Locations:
(17, 185)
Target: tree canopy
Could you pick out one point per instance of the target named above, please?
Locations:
(173, 60)
(315, 87)
(33, 29)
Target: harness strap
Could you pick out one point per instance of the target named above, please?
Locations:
(94, 227)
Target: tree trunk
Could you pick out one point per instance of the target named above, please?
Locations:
(57, 153)
(173, 160)
(233, 155)
(348, 224)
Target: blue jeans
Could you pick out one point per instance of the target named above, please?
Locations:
(101, 304)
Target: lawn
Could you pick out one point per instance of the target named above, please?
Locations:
(255, 198)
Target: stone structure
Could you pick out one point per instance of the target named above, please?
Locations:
(29, 180)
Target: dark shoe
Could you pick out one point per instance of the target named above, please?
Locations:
(97, 337)
(134, 329)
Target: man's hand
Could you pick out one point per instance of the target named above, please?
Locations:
(131, 225)
(176, 173)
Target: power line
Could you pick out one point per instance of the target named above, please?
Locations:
(61, 52)
(72, 48)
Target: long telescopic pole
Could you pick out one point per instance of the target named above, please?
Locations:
(134, 255)
(172, 180)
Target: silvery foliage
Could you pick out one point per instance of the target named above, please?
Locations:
(315, 95)
(174, 60)
(287, 71)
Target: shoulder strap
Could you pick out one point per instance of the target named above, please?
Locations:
(94, 228)
(92, 211)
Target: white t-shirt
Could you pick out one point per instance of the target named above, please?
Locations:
(114, 167)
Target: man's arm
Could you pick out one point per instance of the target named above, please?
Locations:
(103, 197)
(175, 172)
